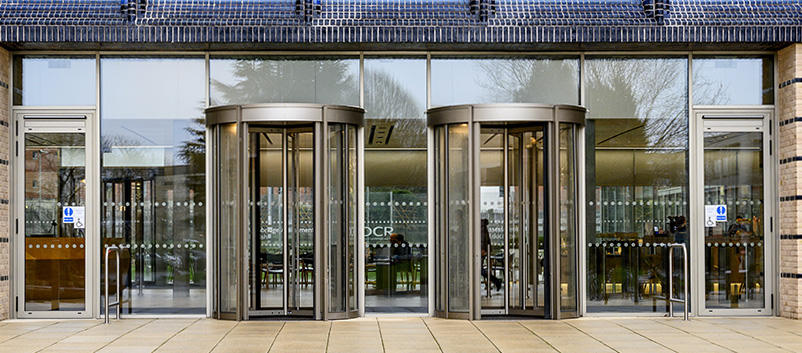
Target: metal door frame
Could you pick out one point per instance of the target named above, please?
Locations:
(732, 120)
(71, 115)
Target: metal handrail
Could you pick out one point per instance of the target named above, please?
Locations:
(109, 250)
(670, 297)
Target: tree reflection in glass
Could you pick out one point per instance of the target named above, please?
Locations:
(396, 233)
(55, 255)
(153, 190)
(472, 80)
(248, 80)
(637, 179)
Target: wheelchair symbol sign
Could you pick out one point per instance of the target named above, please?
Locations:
(75, 215)
(715, 213)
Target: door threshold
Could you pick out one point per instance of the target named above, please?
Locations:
(396, 315)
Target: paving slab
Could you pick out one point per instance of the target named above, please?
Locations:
(414, 334)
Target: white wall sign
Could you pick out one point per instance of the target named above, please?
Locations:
(715, 213)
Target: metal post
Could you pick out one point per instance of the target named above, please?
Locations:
(670, 297)
(116, 304)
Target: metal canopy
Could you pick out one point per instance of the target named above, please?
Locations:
(504, 113)
(284, 114)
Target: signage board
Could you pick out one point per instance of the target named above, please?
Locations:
(714, 214)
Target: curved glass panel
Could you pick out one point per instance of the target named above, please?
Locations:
(338, 252)
(459, 217)
(229, 217)
(568, 219)
(440, 218)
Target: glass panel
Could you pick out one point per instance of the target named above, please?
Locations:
(153, 173)
(734, 255)
(440, 217)
(325, 80)
(338, 254)
(492, 223)
(458, 238)
(733, 80)
(526, 207)
(267, 213)
(568, 209)
(301, 219)
(505, 80)
(396, 233)
(353, 217)
(55, 240)
(54, 80)
(638, 130)
(228, 177)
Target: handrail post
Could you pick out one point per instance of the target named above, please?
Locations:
(685, 281)
(116, 250)
(670, 297)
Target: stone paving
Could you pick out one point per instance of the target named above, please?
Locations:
(405, 335)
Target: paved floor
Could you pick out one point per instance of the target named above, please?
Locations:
(406, 335)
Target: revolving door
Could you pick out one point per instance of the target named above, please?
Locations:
(286, 204)
(505, 191)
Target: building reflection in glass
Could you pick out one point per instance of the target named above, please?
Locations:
(637, 179)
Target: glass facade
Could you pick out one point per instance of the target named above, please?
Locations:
(727, 80)
(471, 80)
(53, 80)
(246, 80)
(153, 173)
(638, 128)
(636, 174)
(396, 234)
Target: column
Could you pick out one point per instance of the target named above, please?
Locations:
(790, 191)
(5, 264)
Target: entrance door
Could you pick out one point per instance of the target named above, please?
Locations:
(56, 226)
(734, 215)
(505, 187)
(282, 237)
(512, 224)
(290, 236)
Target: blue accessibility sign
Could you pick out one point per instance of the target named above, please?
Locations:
(68, 212)
(721, 213)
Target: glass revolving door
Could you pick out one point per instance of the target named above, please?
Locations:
(281, 192)
(505, 189)
(286, 198)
